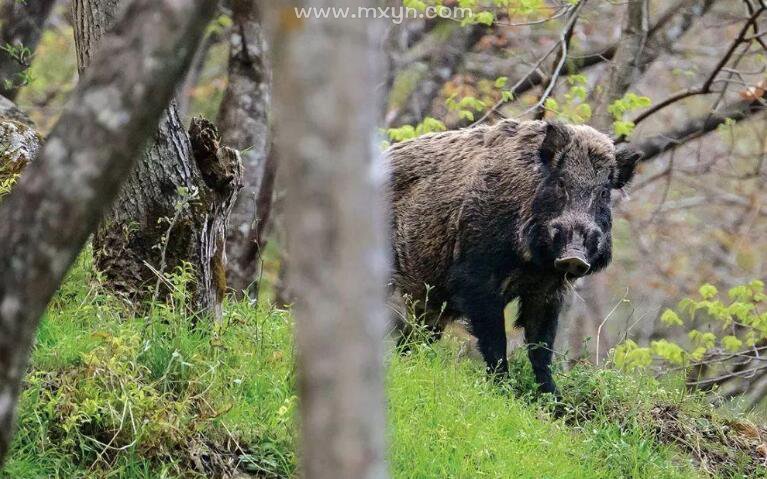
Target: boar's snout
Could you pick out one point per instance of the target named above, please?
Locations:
(574, 259)
(574, 265)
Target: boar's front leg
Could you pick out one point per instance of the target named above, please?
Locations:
(539, 315)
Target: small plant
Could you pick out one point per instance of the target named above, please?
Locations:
(466, 106)
(408, 132)
(419, 327)
(23, 56)
(574, 108)
(6, 184)
(736, 332)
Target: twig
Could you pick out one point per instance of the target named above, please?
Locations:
(564, 42)
(705, 88)
(604, 321)
(517, 88)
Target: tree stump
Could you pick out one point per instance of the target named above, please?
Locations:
(172, 214)
(172, 211)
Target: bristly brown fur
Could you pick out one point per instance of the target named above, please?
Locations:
(485, 215)
(433, 175)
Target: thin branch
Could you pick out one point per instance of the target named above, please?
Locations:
(654, 146)
(578, 63)
(564, 43)
(527, 82)
(757, 36)
(705, 88)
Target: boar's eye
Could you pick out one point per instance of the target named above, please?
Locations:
(561, 183)
(604, 193)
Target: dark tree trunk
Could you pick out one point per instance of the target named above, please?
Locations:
(169, 212)
(327, 102)
(22, 26)
(62, 195)
(244, 123)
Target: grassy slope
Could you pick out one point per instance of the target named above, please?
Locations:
(117, 395)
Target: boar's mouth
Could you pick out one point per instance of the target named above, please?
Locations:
(573, 263)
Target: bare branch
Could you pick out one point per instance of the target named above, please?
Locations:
(705, 88)
(564, 44)
(654, 146)
(578, 63)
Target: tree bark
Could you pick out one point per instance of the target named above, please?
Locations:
(625, 65)
(60, 198)
(19, 140)
(169, 214)
(327, 104)
(22, 27)
(244, 122)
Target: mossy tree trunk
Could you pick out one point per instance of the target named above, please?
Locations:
(172, 211)
(244, 122)
(62, 194)
(19, 143)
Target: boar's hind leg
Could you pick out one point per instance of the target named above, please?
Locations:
(485, 314)
(539, 315)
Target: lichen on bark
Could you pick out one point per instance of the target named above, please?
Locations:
(19, 141)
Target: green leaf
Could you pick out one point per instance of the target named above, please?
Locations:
(577, 79)
(501, 82)
(629, 356)
(485, 18)
(669, 351)
(706, 340)
(731, 343)
(551, 104)
(670, 318)
(708, 291)
(584, 112)
(623, 128)
(404, 132)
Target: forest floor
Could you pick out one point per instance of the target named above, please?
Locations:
(116, 393)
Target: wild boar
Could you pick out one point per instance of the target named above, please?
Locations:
(482, 216)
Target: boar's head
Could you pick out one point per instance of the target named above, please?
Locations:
(571, 219)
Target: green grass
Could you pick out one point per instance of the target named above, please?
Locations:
(115, 393)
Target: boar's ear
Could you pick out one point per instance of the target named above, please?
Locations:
(626, 159)
(555, 140)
